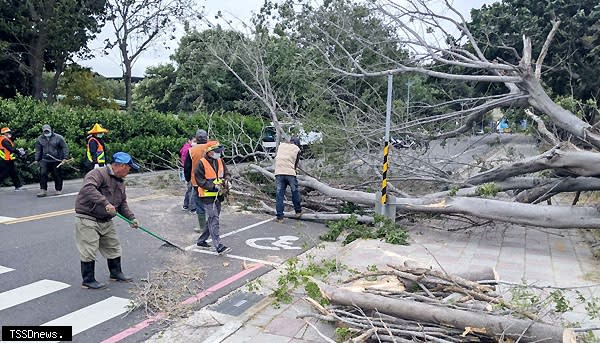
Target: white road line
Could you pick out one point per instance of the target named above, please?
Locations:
(92, 315)
(5, 269)
(236, 257)
(64, 195)
(243, 229)
(6, 219)
(29, 292)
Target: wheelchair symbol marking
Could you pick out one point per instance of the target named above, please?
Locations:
(283, 243)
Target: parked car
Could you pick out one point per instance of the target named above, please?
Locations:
(409, 143)
(269, 143)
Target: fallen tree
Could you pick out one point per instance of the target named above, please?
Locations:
(434, 52)
(561, 217)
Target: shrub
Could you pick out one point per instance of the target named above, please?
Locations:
(149, 136)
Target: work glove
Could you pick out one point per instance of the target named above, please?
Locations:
(96, 166)
(218, 187)
(21, 151)
(134, 224)
(110, 209)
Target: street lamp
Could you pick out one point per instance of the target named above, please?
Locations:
(409, 83)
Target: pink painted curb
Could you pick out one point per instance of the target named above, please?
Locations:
(144, 324)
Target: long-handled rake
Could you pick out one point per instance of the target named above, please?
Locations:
(151, 233)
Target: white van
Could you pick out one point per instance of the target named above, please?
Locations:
(269, 143)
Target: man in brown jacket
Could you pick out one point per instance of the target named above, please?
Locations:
(100, 198)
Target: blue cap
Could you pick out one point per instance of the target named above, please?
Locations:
(125, 158)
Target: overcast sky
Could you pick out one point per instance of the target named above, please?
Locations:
(110, 65)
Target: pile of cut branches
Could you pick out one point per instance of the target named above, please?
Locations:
(430, 306)
(163, 291)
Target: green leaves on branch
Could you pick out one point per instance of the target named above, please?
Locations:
(488, 189)
(383, 228)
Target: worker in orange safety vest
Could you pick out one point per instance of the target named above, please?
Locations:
(212, 177)
(95, 148)
(8, 154)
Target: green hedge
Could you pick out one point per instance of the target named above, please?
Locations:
(150, 137)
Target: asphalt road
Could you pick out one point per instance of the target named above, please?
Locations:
(40, 273)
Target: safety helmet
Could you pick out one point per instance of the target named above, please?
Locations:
(5, 130)
(97, 128)
(215, 146)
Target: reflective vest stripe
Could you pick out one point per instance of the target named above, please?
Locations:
(211, 175)
(5, 154)
(99, 151)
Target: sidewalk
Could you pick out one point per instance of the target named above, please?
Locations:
(546, 257)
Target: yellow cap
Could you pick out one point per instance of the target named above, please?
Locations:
(97, 128)
(4, 130)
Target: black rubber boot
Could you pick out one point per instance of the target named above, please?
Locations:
(87, 273)
(114, 266)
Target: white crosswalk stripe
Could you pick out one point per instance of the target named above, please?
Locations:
(5, 219)
(92, 315)
(29, 292)
(80, 320)
(4, 269)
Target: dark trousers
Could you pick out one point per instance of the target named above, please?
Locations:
(45, 169)
(88, 166)
(8, 168)
(281, 182)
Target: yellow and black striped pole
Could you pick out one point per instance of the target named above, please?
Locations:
(386, 146)
(386, 150)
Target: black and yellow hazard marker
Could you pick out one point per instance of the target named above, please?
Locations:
(386, 150)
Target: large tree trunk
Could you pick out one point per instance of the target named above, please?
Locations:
(126, 71)
(127, 81)
(559, 217)
(539, 100)
(60, 67)
(37, 65)
(583, 163)
(495, 326)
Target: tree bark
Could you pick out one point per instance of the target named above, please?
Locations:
(539, 100)
(495, 326)
(583, 163)
(357, 197)
(37, 65)
(554, 186)
(558, 217)
(60, 67)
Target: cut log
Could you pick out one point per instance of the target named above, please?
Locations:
(495, 326)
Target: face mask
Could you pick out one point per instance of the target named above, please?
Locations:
(100, 135)
(194, 144)
(48, 134)
(216, 155)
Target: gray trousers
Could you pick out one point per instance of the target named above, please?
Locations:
(91, 236)
(212, 210)
(188, 198)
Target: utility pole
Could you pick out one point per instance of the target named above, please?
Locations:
(409, 83)
(386, 146)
